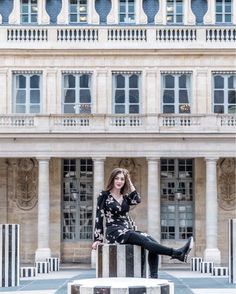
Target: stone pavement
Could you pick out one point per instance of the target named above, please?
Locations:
(186, 282)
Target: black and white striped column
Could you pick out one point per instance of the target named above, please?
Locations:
(195, 264)
(9, 255)
(120, 285)
(28, 271)
(220, 271)
(115, 260)
(42, 267)
(54, 264)
(206, 267)
(232, 251)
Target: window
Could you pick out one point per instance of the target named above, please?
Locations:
(176, 198)
(77, 199)
(77, 93)
(29, 11)
(224, 92)
(174, 13)
(176, 93)
(126, 93)
(223, 11)
(27, 93)
(127, 11)
(78, 11)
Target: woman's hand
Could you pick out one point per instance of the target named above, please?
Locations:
(95, 244)
(131, 186)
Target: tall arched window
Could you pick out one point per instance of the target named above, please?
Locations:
(78, 11)
(174, 11)
(127, 11)
(29, 11)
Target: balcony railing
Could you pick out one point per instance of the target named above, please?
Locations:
(105, 37)
(153, 123)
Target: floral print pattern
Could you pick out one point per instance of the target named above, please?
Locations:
(118, 222)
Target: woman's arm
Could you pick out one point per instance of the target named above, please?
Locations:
(134, 197)
(98, 229)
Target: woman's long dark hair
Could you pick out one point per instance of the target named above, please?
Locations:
(114, 173)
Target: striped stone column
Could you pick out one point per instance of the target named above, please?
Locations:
(232, 251)
(121, 286)
(114, 260)
(9, 255)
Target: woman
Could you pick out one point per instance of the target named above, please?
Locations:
(114, 204)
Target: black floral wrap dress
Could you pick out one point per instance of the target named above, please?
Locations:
(118, 222)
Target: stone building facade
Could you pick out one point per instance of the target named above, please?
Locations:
(89, 85)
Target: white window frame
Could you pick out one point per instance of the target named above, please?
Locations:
(30, 6)
(79, 14)
(225, 90)
(127, 20)
(27, 103)
(126, 89)
(224, 13)
(174, 13)
(176, 90)
(77, 89)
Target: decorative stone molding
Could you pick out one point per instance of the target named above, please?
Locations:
(92, 18)
(226, 184)
(113, 16)
(23, 190)
(209, 17)
(189, 17)
(0, 19)
(43, 17)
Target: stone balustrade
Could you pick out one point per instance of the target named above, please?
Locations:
(104, 37)
(163, 123)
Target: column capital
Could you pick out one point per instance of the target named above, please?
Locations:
(43, 158)
(211, 158)
(149, 159)
(101, 159)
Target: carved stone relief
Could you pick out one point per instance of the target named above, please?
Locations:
(227, 184)
(23, 175)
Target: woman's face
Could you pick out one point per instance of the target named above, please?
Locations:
(119, 181)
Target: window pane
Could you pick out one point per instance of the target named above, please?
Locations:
(168, 109)
(73, 18)
(179, 19)
(69, 81)
(134, 109)
(183, 96)
(34, 96)
(232, 82)
(34, 81)
(85, 96)
(218, 96)
(34, 109)
(33, 18)
(183, 81)
(84, 81)
(228, 18)
(120, 96)
(25, 18)
(232, 97)
(185, 108)
(119, 109)
(70, 108)
(20, 96)
(169, 81)
(21, 81)
(219, 18)
(120, 81)
(69, 96)
(219, 109)
(232, 109)
(168, 96)
(133, 81)
(20, 108)
(218, 82)
(134, 96)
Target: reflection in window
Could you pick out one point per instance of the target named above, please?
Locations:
(224, 93)
(174, 11)
(126, 93)
(77, 93)
(223, 11)
(176, 212)
(127, 11)
(77, 199)
(176, 93)
(78, 11)
(29, 11)
(27, 92)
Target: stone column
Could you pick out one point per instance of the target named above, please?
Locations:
(211, 252)
(51, 92)
(43, 251)
(154, 201)
(98, 181)
(202, 91)
(3, 87)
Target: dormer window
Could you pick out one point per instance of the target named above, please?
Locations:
(223, 11)
(29, 11)
(78, 11)
(174, 11)
(127, 11)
